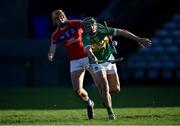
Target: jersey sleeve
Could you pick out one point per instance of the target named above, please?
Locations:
(54, 37)
(111, 31)
(77, 23)
(86, 40)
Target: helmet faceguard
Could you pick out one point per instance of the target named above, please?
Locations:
(88, 22)
(56, 14)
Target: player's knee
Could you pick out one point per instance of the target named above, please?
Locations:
(118, 89)
(115, 89)
(78, 92)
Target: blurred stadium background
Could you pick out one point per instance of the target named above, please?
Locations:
(150, 77)
(25, 29)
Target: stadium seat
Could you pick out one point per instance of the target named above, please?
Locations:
(176, 18)
(161, 33)
(178, 74)
(168, 64)
(170, 25)
(153, 74)
(154, 40)
(173, 49)
(139, 74)
(157, 50)
(137, 64)
(150, 57)
(177, 65)
(13, 75)
(163, 56)
(167, 41)
(178, 25)
(144, 51)
(154, 64)
(124, 73)
(49, 74)
(175, 33)
(177, 58)
(177, 41)
(167, 74)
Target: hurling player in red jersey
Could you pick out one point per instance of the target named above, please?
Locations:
(69, 34)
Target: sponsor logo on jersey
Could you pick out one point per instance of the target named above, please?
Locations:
(68, 34)
(68, 37)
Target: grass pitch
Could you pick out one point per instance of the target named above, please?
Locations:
(125, 116)
(132, 106)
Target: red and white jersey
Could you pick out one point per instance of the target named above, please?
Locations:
(71, 38)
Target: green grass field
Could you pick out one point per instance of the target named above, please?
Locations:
(158, 105)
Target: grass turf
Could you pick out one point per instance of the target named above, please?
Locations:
(128, 116)
(133, 105)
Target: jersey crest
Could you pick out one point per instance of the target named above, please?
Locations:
(68, 34)
(100, 44)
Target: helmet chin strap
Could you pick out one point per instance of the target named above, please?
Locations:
(92, 33)
(61, 25)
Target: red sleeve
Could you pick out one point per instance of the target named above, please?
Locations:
(76, 22)
(54, 38)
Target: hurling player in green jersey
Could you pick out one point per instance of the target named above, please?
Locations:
(96, 39)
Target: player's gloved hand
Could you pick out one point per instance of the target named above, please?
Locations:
(50, 56)
(144, 42)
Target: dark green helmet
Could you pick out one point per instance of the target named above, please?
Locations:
(89, 21)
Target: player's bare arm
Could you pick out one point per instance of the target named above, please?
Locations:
(51, 52)
(91, 55)
(141, 41)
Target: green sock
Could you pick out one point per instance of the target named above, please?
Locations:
(109, 110)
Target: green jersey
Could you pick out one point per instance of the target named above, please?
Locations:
(99, 42)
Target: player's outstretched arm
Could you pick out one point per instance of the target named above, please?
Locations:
(51, 52)
(143, 42)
